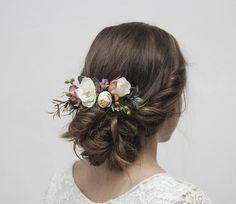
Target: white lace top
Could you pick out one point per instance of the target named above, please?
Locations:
(160, 188)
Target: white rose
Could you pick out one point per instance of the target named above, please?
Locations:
(119, 87)
(86, 91)
(104, 99)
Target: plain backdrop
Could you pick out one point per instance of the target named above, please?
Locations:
(44, 42)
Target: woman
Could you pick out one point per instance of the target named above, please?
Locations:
(127, 99)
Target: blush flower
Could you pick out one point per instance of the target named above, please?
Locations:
(86, 91)
(73, 95)
(104, 99)
(119, 87)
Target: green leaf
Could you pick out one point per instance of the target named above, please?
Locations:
(67, 94)
(97, 85)
(80, 78)
(72, 80)
(95, 80)
(67, 103)
(57, 100)
(112, 107)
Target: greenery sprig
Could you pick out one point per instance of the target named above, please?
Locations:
(86, 92)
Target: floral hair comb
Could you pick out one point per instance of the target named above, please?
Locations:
(87, 92)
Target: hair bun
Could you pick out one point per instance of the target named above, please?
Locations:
(104, 137)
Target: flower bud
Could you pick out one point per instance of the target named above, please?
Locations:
(104, 99)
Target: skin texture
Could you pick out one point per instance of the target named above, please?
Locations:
(99, 184)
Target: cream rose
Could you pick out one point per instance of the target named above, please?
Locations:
(104, 99)
(119, 87)
(86, 91)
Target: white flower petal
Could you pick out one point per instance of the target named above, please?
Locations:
(87, 92)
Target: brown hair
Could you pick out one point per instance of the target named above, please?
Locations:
(148, 57)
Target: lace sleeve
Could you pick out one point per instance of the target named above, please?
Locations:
(49, 195)
(194, 195)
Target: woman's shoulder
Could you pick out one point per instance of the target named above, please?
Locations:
(160, 188)
(59, 186)
(177, 190)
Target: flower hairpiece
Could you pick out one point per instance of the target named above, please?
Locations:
(87, 92)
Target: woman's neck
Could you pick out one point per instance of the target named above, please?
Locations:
(145, 166)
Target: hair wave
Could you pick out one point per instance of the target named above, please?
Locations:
(150, 58)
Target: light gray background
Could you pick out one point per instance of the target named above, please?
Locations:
(44, 42)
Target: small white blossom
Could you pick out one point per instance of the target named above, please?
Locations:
(104, 99)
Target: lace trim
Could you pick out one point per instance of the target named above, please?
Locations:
(70, 175)
(159, 188)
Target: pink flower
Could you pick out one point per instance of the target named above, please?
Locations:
(73, 95)
(119, 87)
